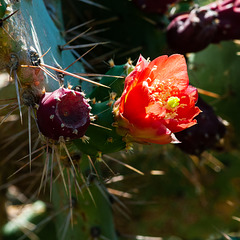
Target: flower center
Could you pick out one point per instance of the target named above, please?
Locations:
(173, 102)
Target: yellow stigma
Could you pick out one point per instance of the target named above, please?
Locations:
(173, 102)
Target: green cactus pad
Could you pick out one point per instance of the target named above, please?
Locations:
(116, 84)
(3, 7)
(101, 139)
(216, 69)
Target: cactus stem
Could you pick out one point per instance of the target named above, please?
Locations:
(124, 164)
(6, 105)
(78, 75)
(15, 151)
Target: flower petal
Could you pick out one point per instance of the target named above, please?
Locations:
(171, 71)
(142, 63)
(146, 111)
(158, 134)
(134, 104)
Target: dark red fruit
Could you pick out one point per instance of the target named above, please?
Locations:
(205, 134)
(63, 112)
(228, 20)
(154, 6)
(215, 22)
(192, 32)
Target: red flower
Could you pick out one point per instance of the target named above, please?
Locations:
(157, 101)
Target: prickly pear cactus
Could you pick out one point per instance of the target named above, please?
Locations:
(26, 36)
(30, 42)
(68, 122)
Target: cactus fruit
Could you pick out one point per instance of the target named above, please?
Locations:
(194, 31)
(205, 135)
(63, 113)
(228, 16)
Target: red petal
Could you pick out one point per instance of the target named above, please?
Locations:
(134, 104)
(153, 68)
(192, 93)
(142, 63)
(171, 70)
(177, 126)
(152, 132)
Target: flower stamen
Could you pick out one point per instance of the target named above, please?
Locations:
(173, 102)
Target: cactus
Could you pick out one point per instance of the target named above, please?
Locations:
(90, 213)
(72, 122)
(26, 40)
